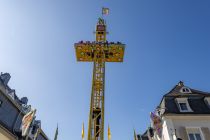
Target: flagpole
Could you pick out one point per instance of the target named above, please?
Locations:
(102, 15)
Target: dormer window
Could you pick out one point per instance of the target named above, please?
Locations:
(207, 101)
(185, 90)
(183, 105)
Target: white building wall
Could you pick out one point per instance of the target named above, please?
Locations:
(168, 129)
(187, 122)
(4, 135)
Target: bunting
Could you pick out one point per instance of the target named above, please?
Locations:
(157, 123)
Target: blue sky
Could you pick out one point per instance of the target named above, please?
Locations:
(166, 41)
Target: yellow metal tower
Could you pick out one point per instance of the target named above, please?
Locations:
(98, 52)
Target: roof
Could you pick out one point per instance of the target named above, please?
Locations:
(11, 109)
(175, 91)
(195, 100)
(194, 97)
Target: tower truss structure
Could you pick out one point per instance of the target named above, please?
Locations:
(98, 52)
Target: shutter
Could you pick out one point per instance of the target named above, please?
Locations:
(206, 132)
(183, 133)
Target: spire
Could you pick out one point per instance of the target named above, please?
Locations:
(109, 133)
(135, 137)
(56, 133)
(5, 77)
(83, 131)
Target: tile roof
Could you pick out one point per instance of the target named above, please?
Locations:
(195, 100)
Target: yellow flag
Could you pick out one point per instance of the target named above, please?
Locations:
(135, 136)
(83, 131)
(109, 133)
(105, 11)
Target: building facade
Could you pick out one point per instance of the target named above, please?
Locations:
(13, 114)
(183, 114)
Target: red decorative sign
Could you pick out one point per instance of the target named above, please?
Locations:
(26, 122)
(100, 28)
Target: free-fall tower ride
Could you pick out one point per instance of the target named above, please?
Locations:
(98, 52)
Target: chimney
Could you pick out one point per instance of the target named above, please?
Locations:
(5, 78)
(181, 84)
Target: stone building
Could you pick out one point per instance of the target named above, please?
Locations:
(183, 114)
(17, 118)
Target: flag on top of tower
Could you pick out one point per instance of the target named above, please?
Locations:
(105, 11)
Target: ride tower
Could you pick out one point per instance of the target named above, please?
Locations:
(98, 52)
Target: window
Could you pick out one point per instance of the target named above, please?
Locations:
(207, 101)
(183, 105)
(185, 90)
(194, 134)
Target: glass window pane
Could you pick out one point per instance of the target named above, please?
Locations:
(198, 136)
(183, 106)
(191, 136)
